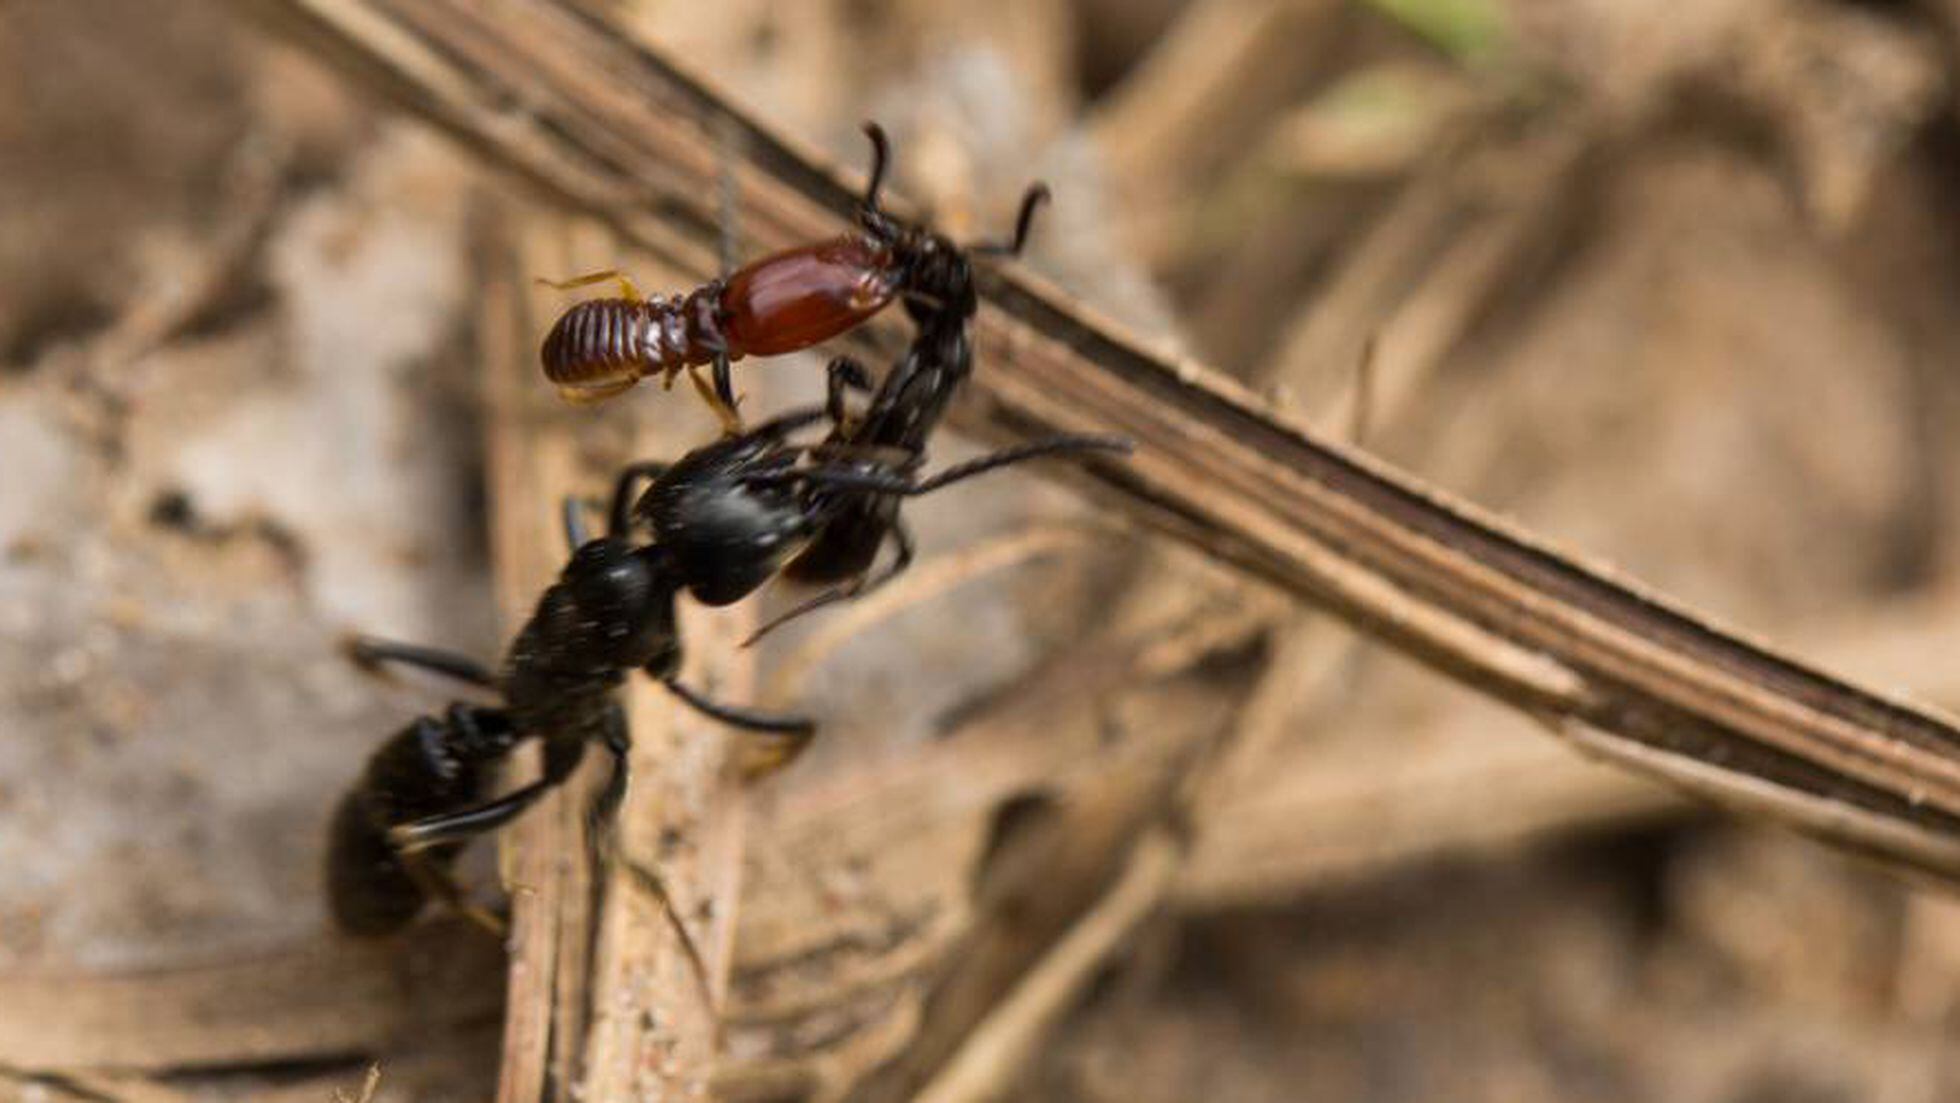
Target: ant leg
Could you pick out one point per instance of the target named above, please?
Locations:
(618, 742)
(896, 457)
(654, 885)
(457, 826)
(601, 821)
(603, 275)
(768, 755)
(619, 517)
(370, 652)
(560, 759)
(856, 588)
(902, 538)
(749, 719)
(841, 375)
(467, 733)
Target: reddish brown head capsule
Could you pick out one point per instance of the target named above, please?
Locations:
(803, 297)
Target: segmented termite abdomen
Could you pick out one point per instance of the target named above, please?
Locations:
(601, 347)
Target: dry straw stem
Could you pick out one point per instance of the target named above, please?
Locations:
(989, 1064)
(549, 91)
(315, 1001)
(85, 1088)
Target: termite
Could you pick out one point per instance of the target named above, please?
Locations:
(781, 303)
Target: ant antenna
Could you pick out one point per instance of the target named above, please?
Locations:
(1037, 194)
(881, 154)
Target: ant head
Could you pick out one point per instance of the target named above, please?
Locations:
(933, 273)
(933, 276)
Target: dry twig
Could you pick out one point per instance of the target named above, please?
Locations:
(988, 1065)
(322, 999)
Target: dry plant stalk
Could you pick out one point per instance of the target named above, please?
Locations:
(617, 130)
(320, 1000)
(990, 1062)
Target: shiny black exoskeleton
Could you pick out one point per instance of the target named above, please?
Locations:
(612, 610)
(729, 514)
(875, 456)
(434, 765)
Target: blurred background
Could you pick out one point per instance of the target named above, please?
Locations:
(1673, 285)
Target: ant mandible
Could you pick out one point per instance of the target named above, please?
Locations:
(781, 303)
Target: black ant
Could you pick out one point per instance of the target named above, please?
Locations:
(725, 517)
(425, 792)
(781, 303)
(879, 450)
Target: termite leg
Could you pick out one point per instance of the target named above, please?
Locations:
(591, 394)
(626, 288)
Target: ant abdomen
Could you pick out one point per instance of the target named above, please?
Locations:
(374, 887)
(369, 887)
